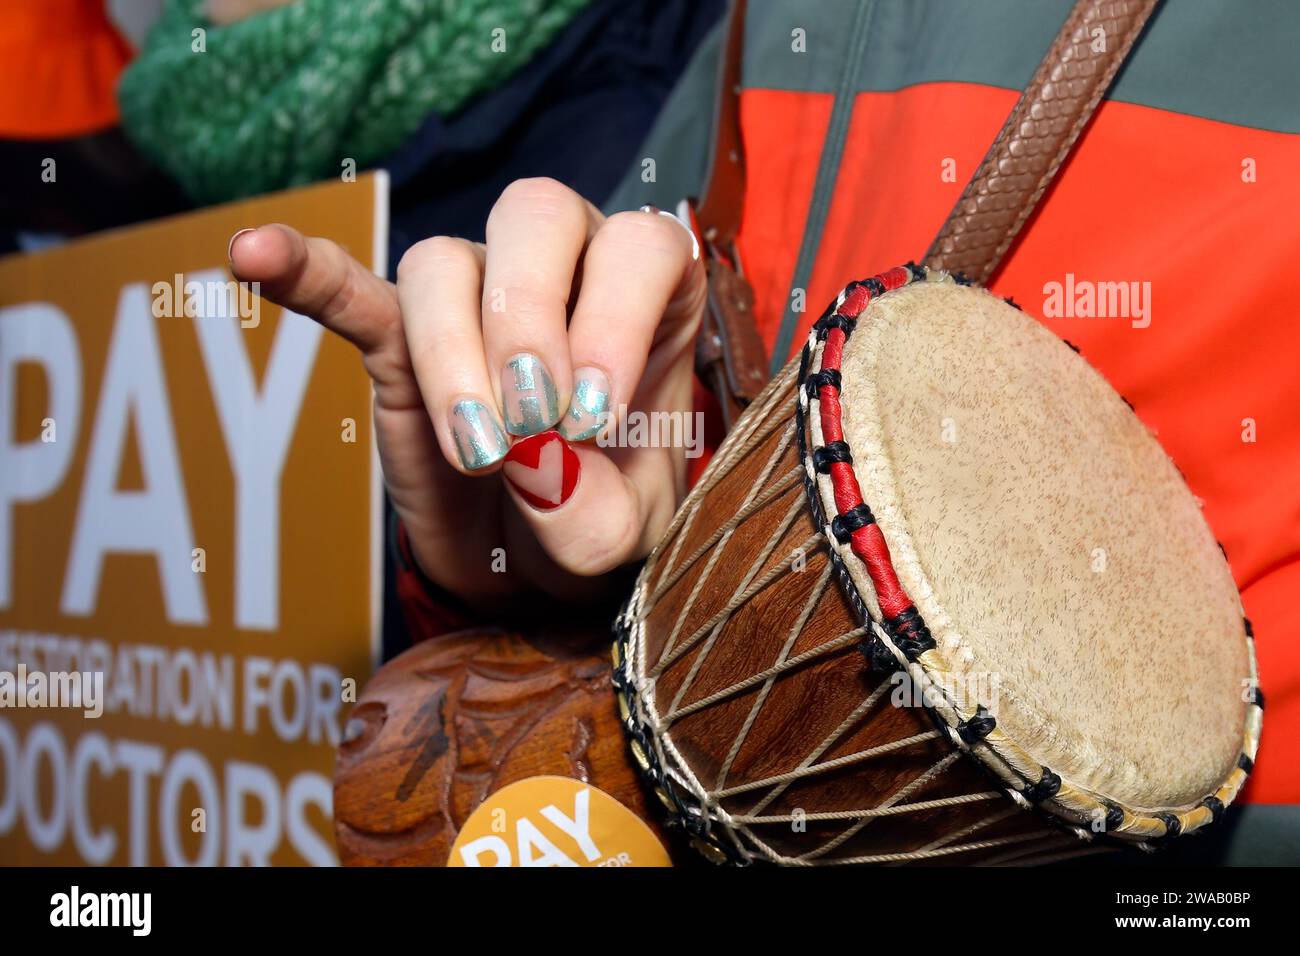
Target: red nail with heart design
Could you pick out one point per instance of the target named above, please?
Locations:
(543, 469)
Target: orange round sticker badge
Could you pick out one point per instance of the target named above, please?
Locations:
(555, 821)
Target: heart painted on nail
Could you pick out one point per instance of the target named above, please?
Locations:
(543, 469)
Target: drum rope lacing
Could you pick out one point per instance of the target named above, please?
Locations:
(890, 644)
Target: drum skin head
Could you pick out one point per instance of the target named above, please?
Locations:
(1071, 586)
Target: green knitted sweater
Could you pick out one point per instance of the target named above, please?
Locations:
(293, 94)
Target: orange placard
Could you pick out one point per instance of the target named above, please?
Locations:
(190, 529)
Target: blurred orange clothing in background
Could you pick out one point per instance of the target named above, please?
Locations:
(59, 64)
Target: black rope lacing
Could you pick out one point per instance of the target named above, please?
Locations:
(977, 727)
(827, 376)
(1214, 805)
(834, 321)
(843, 525)
(909, 634)
(1048, 785)
(835, 452)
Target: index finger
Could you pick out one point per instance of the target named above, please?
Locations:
(317, 278)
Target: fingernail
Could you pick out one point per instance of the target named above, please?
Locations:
(589, 409)
(528, 396)
(479, 439)
(230, 246)
(543, 469)
(695, 243)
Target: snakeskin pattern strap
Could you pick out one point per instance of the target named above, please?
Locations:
(1038, 135)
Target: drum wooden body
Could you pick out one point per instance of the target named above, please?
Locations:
(941, 674)
(454, 719)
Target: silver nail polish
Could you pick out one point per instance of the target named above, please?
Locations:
(589, 410)
(528, 396)
(479, 439)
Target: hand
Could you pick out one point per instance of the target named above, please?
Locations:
(480, 350)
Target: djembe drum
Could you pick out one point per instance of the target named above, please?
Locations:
(940, 596)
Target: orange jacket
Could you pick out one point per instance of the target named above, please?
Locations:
(59, 64)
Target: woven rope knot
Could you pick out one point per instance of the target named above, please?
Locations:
(843, 525)
(977, 727)
(834, 321)
(910, 634)
(1173, 826)
(835, 452)
(1048, 785)
(827, 376)
(1214, 805)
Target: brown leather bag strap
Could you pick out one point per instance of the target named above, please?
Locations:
(729, 354)
(1038, 135)
(723, 197)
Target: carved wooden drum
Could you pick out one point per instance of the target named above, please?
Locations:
(940, 597)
